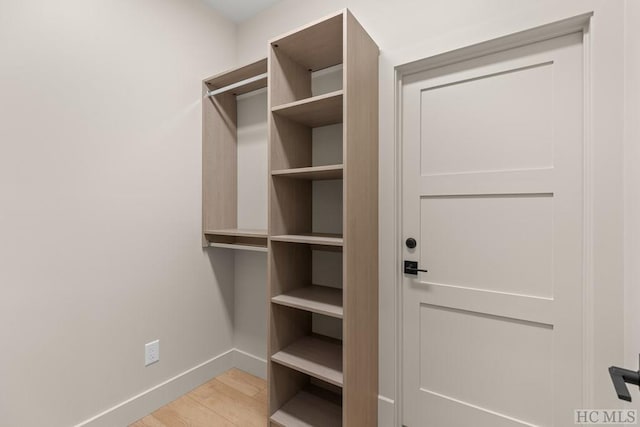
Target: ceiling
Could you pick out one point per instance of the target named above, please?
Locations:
(240, 10)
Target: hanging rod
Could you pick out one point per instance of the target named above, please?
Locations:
(236, 85)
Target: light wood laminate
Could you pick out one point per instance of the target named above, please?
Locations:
(296, 359)
(239, 74)
(289, 81)
(360, 252)
(239, 247)
(321, 358)
(219, 162)
(321, 110)
(317, 299)
(237, 238)
(306, 409)
(238, 232)
(314, 46)
(219, 153)
(320, 239)
(314, 173)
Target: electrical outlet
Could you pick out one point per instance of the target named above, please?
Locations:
(151, 352)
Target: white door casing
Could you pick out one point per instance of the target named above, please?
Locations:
(493, 155)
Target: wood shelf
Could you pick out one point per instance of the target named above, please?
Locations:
(233, 238)
(316, 356)
(320, 239)
(308, 409)
(238, 75)
(321, 110)
(316, 299)
(238, 232)
(239, 247)
(311, 173)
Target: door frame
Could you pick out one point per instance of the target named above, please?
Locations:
(603, 275)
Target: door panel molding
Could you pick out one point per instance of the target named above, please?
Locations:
(602, 316)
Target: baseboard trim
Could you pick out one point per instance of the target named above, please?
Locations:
(249, 363)
(386, 411)
(155, 397)
(149, 400)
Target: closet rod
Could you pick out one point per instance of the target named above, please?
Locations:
(236, 85)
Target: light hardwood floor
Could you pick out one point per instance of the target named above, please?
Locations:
(233, 399)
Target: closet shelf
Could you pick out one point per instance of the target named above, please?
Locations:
(314, 112)
(240, 247)
(319, 357)
(238, 232)
(308, 409)
(231, 79)
(314, 298)
(311, 239)
(233, 238)
(311, 173)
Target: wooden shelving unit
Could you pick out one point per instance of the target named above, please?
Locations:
(316, 380)
(219, 158)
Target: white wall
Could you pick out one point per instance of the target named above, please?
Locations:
(632, 191)
(400, 26)
(100, 195)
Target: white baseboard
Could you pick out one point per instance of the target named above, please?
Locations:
(149, 400)
(386, 411)
(249, 363)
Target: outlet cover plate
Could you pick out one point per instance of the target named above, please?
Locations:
(151, 352)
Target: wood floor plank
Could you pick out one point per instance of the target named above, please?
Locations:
(186, 412)
(148, 421)
(242, 381)
(232, 404)
(233, 399)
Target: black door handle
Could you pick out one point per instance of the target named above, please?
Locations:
(411, 267)
(620, 378)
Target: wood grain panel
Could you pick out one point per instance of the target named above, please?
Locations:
(290, 208)
(237, 74)
(219, 162)
(290, 144)
(289, 81)
(360, 227)
(315, 46)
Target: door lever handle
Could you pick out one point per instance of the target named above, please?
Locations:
(411, 267)
(620, 378)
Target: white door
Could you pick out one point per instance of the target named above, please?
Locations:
(492, 193)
